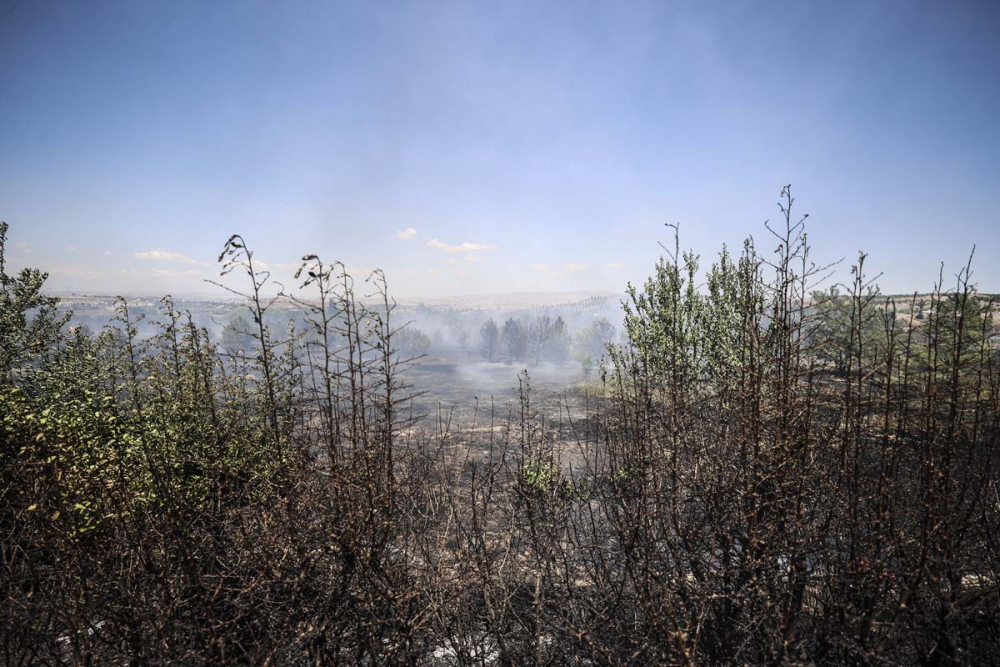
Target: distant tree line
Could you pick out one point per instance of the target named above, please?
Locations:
(544, 339)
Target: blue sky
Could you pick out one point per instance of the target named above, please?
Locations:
(527, 145)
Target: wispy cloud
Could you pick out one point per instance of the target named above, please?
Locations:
(72, 248)
(92, 272)
(22, 246)
(174, 274)
(271, 266)
(615, 265)
(76, 271)
(406, 234)
(107, 253)
(166, 256)
(562, 270)
(461, 247)
(170, 273)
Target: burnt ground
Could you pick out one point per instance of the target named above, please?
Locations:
(475, 401)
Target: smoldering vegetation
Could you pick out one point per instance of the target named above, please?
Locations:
(467, 348)
(753, 471)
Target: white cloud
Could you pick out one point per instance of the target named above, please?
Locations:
(259, 264)
(433, 271)
(406, 234)
(166, 256)
(76, 271)
(174, 274)
(23, 246)
(72, 248)
(615, 265)
(561, 270)
(171, 273)
(461, 247)
(107, 253)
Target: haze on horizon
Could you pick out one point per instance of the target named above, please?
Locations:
(478, 148)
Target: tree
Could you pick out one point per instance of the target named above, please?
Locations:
(514, 339)
(30, 321)
(539, 332)
(411, 342)
(592, 342)
(237, 335)
(489, 337)
(559, 341)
